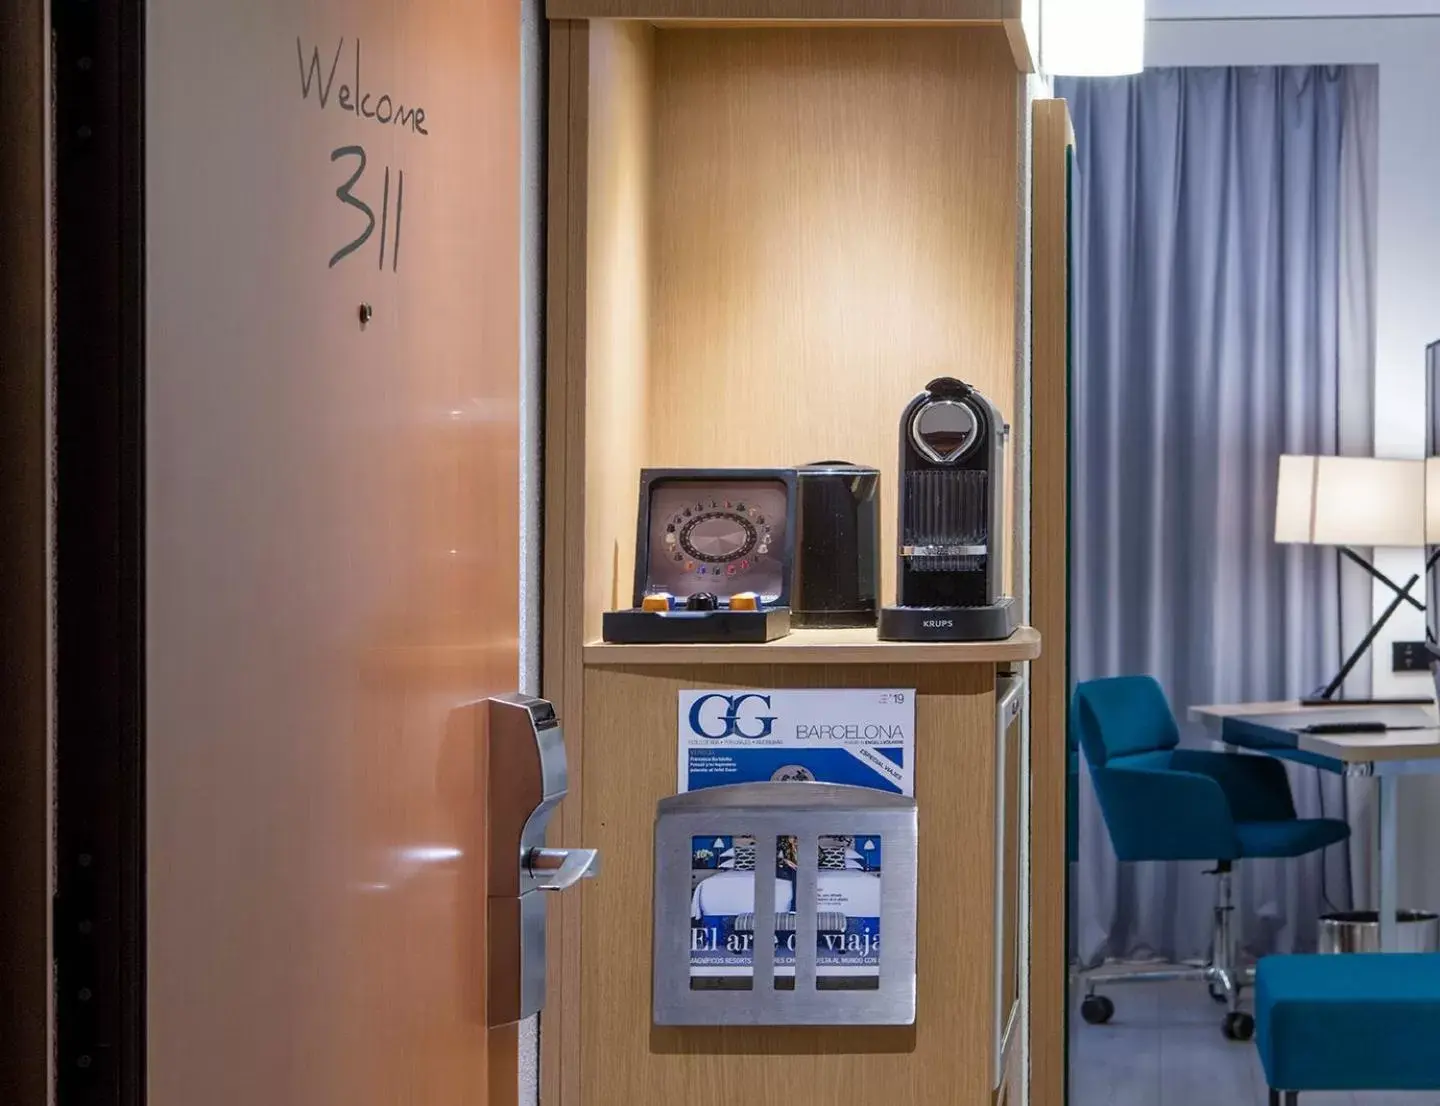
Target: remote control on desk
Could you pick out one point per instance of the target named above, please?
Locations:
(1353, 727)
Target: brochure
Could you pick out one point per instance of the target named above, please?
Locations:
(862, 737)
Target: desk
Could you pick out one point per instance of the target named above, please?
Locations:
(1274, 729)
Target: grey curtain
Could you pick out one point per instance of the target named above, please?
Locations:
(1220, 320)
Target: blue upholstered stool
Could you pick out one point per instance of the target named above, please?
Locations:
(1357, 1022)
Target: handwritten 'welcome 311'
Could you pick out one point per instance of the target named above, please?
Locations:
(388, 111)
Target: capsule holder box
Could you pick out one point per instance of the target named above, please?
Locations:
(724, 627)
(766, 813)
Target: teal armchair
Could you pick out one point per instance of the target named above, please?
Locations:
(1161, 802)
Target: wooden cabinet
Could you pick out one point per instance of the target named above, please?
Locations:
(770, 223)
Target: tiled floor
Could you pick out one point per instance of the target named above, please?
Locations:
(1164, 1048)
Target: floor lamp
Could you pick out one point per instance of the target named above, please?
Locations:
(1350, 502)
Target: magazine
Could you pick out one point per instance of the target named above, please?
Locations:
(862, 737)
(847, 921)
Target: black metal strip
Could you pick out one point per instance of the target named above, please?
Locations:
(1349, 553)
(1401, 594)
(99, 544)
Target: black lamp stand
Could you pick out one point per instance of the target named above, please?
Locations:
(1326, 696)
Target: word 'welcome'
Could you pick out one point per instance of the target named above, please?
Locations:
(352, 97)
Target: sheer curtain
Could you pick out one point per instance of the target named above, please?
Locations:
(1223, 274)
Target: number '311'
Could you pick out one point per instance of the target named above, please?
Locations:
(346, 195)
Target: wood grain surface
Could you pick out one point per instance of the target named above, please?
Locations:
(563, 631)
(949, 11)
(943, 1058)
(834, 227)
(618, 317)
(855, 646)
(1049, 580)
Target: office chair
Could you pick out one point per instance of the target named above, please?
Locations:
(1161, 802)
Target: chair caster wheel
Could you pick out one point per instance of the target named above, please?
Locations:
(1238, 1026)
(1217, 993)
(1097, 1009)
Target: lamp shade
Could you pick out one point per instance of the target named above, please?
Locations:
(1092, 38)
(1432, 501)
(1352, 501)
(1295, 500)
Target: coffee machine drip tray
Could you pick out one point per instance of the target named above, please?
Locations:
(945, 558)
(994, 622)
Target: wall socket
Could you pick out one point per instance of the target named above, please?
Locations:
(1409, 656)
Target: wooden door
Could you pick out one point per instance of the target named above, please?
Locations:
(332, 199)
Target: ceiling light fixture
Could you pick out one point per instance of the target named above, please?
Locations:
(1092, 38)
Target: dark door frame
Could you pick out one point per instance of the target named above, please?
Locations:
(97, 127)
(26, 848)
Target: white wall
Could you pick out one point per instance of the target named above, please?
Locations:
(1288, 9)
(1407, 51)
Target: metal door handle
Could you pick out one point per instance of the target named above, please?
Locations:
(557, 869)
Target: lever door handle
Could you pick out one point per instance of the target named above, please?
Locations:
(557, 869)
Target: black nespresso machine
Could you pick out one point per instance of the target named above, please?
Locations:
(951, 527)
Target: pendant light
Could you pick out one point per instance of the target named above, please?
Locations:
(1092, 38)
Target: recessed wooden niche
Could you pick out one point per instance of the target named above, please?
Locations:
(790, 231)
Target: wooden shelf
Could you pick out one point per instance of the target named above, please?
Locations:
(1019, 29)
(822, 647)
(880, 11)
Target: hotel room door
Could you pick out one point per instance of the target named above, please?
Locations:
(332, 210)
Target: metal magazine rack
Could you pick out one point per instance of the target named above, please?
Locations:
(822, 934)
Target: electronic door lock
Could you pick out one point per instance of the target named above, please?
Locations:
(524, 777)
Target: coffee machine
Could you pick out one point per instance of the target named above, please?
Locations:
(951, 525)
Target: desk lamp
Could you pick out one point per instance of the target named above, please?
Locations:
(1347, 502)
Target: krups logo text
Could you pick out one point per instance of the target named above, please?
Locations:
(938, 623)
